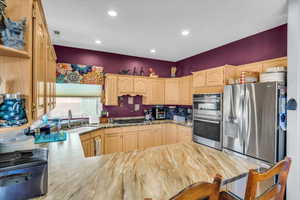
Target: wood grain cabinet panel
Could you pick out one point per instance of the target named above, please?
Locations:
(274, 63)
(199, 79)
(113, 143)
(130, 141)
(185, 88)
(145, 139)
(252, 67)
(158, 91)
(140, 86)
(215, 77)
(111, 90)
(184, 134)
(172, 91)
(39, 65)
(170, 134)
(88, 145)
(125, 85)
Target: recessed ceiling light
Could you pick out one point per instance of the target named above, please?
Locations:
(152, 51)
(98, 42)
(112, 13)
(185, 32)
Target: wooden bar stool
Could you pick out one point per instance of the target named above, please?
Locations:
(277, 191)
(201, 191)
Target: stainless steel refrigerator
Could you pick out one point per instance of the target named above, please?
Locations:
(254, 120)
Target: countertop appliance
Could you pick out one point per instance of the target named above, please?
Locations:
(207, 120)
(254, 120)
(159, 112)
(23, 174)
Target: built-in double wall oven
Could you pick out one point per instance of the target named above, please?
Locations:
(207, 119)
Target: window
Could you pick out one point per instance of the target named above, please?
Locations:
(83, 101)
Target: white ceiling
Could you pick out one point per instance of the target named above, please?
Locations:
(142, 25)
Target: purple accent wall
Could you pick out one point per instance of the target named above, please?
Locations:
(262, 46)
(113, 63)
(127, 110)
(265, 45)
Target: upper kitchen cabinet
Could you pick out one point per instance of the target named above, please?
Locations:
(111, 90)
(215, 77)
(30, 71)
(199, 79)
(125, 85)
(212, 80)
(158, 91)
(40, 43)
(172, 91)
(131, 85)
(155, 93)
(251, 67)
(140, 86)
(278, 62)
(44, 65)
(185, 88)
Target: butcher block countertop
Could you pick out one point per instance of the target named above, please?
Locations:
(157, 173)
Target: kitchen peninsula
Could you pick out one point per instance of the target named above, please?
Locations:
(157, 173)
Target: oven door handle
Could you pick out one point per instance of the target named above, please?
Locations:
(14, 179)
(208, 121)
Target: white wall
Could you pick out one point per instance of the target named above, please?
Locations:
(293, 134)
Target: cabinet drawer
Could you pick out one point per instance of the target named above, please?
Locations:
(85, 136)
(97, 133)
(156, 126)
(144, 127)
(130, 129)
(111, 131)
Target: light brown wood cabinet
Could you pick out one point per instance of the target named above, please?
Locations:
(184, 134)
(39, 64)
(170, 134)
(158, 91)
(252, 67)
(125, 139)
(51, 78)
(111, 90)
(125, 85)
(87, 145)
(140, 86)
(212, 80)
(113, 143)
(215, 77)
(172, 91)
(199, 79)
(185, 88)
(130, 142)
(146, 139)
(30, 71)
(274, 63)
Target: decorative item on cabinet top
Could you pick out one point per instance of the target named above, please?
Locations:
(75, 73)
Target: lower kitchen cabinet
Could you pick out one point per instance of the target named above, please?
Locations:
(184, 134)
(88, 145)
(113, 143)
(170, 134)
(130, 141)
(146, 139)
(125, 139)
